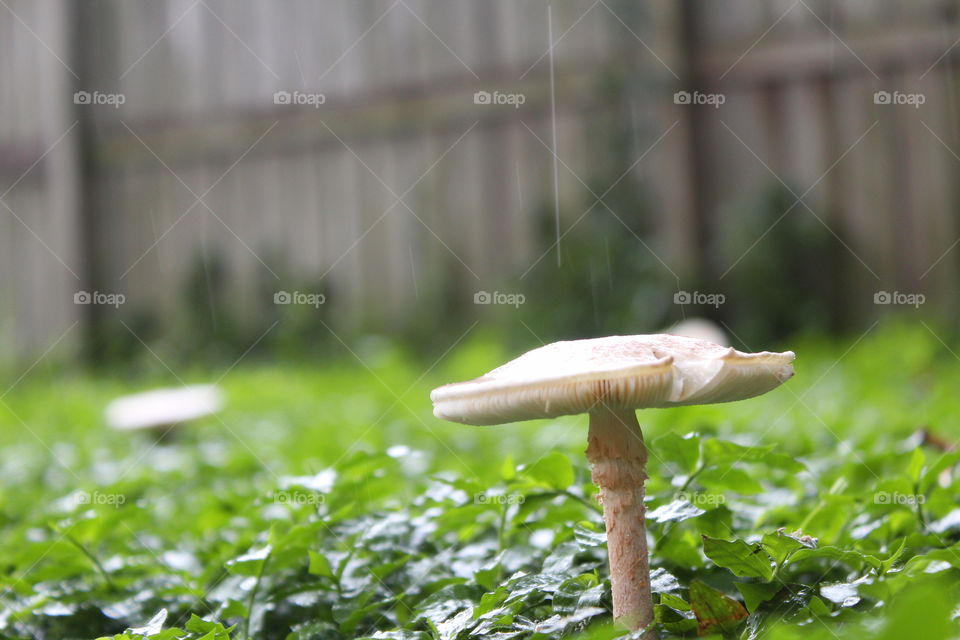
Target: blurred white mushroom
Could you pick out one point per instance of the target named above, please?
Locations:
(701, 329)
(162, 408)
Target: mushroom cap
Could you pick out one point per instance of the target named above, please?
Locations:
(621, 372)
(163, 407)
(700, 328)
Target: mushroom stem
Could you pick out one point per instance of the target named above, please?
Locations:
(618, 460)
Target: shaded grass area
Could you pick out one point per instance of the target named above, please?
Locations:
(327, 502)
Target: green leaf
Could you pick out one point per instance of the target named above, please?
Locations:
(319, 565)
(888, 563)
(818, 607)
(783, 461)
(508, 469)
(723, 451)
(674, 602)
(490, 601)
(684, 452)
(915, 468)
(715, 522)
(233, 609)
(676, 622)
(577, 593)
(715, 612)
(756, 593)
(781, 546)
(488, 577)
(829, 517)
(209, 628)
(587, 535)
(250, 563)
(744, 560)
(851, 557)
(681, 547)
(675, 511)
(730, 479)
(932, 474)
(922, 610)
(933, 561)
(381, 571)
(553, 470)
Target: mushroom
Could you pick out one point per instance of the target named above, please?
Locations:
(162, 408)
(609, 378)
(700, 328)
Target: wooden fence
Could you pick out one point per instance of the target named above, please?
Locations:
(854, 106)
(400, 183)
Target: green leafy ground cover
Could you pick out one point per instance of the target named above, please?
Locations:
(327, 502)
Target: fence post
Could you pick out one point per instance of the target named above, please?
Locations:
(698, 158)
(89, 30)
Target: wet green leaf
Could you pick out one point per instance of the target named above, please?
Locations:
(744, 560)
(715, 612)
(756, 593)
